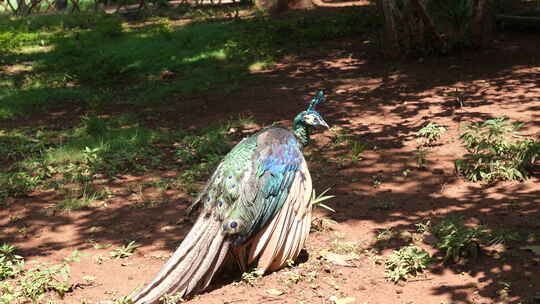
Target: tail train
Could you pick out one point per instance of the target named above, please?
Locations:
(192, 266)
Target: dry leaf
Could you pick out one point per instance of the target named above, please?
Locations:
(345, 300)
(339, 259)
(274, 292)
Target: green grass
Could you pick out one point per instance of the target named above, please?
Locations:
(92, 61)
(81, 198)
(70, 160)
(93, 58)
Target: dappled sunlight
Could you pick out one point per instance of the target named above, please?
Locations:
(147, 167)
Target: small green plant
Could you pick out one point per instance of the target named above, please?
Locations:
(382, 205)
(424, 227)
(251, 277)
(81, 198)
(503, 235)
(75, 256)
(496, 151)
(10, 263)
(457, 240)
(357, 148)
(405, 263)
(420, 157)
(385, 234)
(431, 132)
(209, 146)
(317, 200)
(125, 251)
(127, 300)
(34, 283)
(376, 180)
(171, 299)
(343, 247)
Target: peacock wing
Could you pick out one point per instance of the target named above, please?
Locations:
(272, 214)
(282, 239)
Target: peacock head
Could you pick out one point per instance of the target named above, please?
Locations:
(310, 117)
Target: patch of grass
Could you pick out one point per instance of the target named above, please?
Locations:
(81, 198)
(41, 279)
(98, 57)
(104, 146)
(125, 251)
(431, 132)
(504, 235)
(33, 284)
(17, 183)
(342, 247)
(405, 263)
(200, 153)
(496, 151)
(14, 146)
(21, 285)
(72, 158)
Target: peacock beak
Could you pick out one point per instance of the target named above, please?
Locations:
(323, 123)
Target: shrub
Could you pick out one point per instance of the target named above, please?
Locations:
(457, 240)
(496, 151)
(406, 262)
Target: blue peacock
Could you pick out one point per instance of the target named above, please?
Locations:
(255, 208)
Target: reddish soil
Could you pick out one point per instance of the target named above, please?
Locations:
(380, 103)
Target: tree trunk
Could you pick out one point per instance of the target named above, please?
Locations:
(60, 5)
(429, 26)
(391, 47)
(479, 27)
(22, 8)
(300, 4)
(276, 6)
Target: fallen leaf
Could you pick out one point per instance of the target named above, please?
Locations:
(339, 259)
(274, 292)
(535, 249)
(345, 300)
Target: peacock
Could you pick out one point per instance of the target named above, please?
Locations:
(256, 209)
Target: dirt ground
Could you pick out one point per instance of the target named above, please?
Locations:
(380, 103)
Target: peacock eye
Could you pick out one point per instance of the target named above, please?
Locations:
(233, 224)
(220, 203)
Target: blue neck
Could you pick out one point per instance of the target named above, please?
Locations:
(301, 131)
